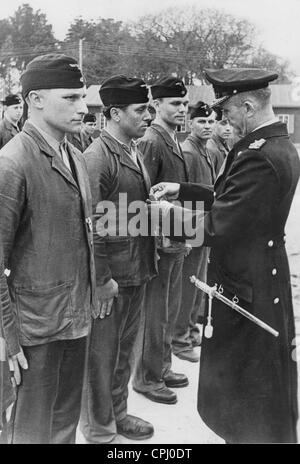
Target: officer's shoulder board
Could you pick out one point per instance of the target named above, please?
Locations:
(256, 145)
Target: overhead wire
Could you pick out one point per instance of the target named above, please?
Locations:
(114, 49)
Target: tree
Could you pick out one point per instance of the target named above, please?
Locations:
(5, 45)
(186, 40)
(23, 36)
(180, 41)
(31, 34)
(264, 59)
(102, 41)
(8, 65)
(80, 29)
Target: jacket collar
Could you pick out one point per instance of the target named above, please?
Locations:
(220, 144)
(81, 181)
(167, 138)
(46, 149)
(48, 138)
(9, 126)
(201, 148)
(116, 147)
(277, 129)
(76, 136)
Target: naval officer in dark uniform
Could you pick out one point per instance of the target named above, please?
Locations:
(248, 378)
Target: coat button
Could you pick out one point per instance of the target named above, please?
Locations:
(208, 260)
(270, 243)
(274, 271)
(215, 194)
(276, 300)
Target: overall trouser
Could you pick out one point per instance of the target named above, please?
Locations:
(109, 366)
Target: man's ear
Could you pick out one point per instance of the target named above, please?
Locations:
(36, 99)
(249, 107)
(114, 113)
(155, 103)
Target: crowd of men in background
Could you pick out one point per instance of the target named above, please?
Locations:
(85, 310)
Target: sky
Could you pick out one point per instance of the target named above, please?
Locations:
(277, 21)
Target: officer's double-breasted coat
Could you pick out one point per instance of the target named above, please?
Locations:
(248, 377)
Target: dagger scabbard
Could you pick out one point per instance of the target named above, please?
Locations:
(213, 293)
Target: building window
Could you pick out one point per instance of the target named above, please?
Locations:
(288, 119)
(102, 121)
(182, 128)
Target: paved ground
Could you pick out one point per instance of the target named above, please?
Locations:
(180, 423)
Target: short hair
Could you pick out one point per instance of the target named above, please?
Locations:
(261, 96)
(107, 110)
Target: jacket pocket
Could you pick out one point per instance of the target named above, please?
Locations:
(44, 312)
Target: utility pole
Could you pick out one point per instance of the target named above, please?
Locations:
(80, 53)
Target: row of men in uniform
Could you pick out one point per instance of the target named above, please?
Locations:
(204, 152)
(201, 156)
(81, 140)
(198, 166)
(62, 270)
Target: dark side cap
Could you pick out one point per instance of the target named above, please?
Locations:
(200, 110)
(122, 90)
(51, 71)
(89, 117)
(167, 87)
(11, 100)
(229, 82)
